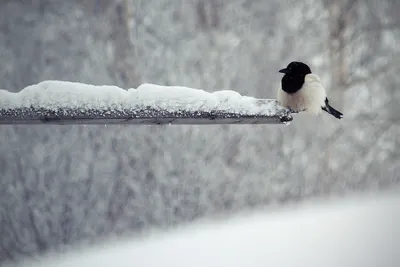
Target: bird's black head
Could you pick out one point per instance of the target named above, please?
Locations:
(294, 76)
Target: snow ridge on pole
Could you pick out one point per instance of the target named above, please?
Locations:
(61, 102)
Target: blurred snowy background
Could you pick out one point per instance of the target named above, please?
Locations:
(64, 185)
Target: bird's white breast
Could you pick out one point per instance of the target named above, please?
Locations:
(310, 98)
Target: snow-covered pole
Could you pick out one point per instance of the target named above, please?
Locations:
(60, 102)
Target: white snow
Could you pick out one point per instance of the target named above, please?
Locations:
(361, 231)
(56, 95)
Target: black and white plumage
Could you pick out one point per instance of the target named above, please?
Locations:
(301, 90)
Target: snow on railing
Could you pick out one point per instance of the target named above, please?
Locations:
(61, 102)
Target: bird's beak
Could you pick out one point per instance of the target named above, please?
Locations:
(283, 71)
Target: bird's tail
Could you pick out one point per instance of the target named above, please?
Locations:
(331, 110)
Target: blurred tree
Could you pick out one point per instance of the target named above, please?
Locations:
(208, 13)
(356, 32)
(339, 18)
(361, 57)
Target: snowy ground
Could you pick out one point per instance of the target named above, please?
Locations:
(360, 231)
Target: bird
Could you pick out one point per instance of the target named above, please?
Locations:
(302, 91)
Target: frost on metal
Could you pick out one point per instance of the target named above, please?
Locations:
(61, 102)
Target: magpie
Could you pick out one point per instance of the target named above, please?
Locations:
(301, 90)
